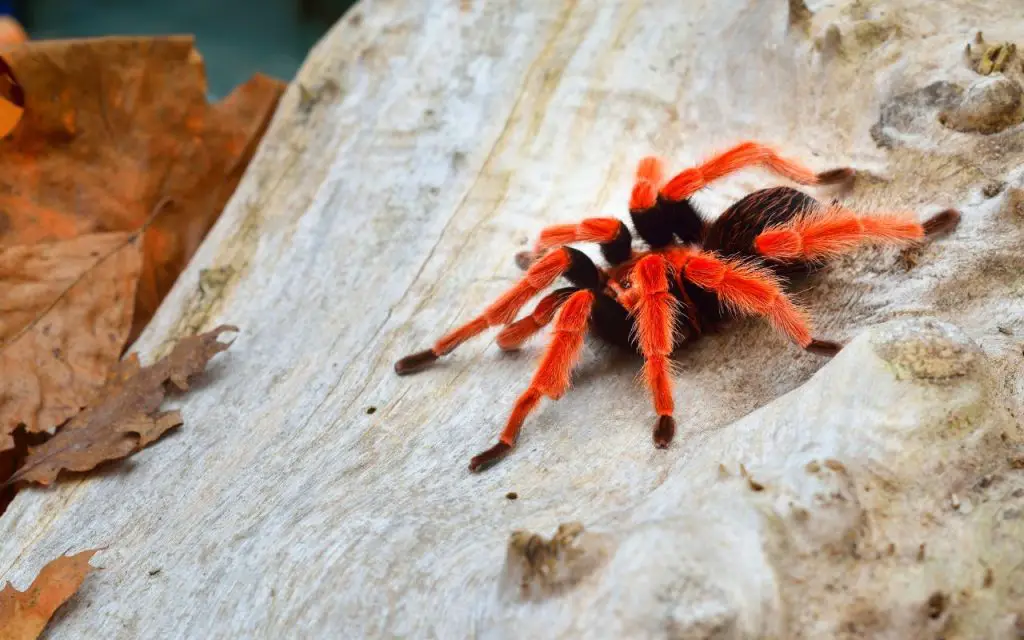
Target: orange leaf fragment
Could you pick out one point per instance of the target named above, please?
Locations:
(65, 312)
(111, 128)
(24, 614)
(126, 418)
(12, 98)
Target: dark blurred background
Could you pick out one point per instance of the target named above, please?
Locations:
(235, 37)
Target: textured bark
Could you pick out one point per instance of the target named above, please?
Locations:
(421, 146)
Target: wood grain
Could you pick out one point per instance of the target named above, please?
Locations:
(421, 146)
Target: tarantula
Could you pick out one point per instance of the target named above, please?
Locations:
(694, 274)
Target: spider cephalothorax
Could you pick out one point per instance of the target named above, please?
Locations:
(694, 274)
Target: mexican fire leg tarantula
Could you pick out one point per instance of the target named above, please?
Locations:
(694, 274)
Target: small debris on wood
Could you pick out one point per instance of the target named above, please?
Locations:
(936, 604)
(800, 16)
(212, 281)
(993, 189)
(535, 567)
(920, 553)
(835, 465)
(371, 410)
(989, 578)
(909, 257)
(512, 495)
(987, 58)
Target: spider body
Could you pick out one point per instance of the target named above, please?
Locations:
(694, 274)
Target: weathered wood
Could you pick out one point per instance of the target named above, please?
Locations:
(420, 147)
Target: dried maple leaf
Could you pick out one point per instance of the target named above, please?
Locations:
(12, 100)
(24, 614)
(126, 418)
(112, 127)
(65, 312)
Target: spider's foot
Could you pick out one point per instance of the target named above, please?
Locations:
(524, 259)
(941, 222)
(836, 176)
(415, 362)
(664, 431)
(824, 347)
(490, 457)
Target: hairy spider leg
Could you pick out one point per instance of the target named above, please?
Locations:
(750, 289)
(514, 335)
(744, 155)
(611, 234)
(654, 308)
(574, 265)
(553, 375)
(656, 218)
(832, 230)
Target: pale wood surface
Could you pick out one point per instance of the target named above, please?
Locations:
(421, 146)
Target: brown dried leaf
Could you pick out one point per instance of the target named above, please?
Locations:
(65, 312)
(126, 418)
(114, 126)
(24, 615)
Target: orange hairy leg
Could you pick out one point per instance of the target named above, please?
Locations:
(834, 230)
(539, 276)
(611, 234)
(650, 174)
(654, 309)
(749, 289)
(552, 377)
(742, 156)
(514, 335)
(589, 230)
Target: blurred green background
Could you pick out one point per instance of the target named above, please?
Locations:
(235, 37)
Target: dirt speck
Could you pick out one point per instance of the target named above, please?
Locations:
(936, 605)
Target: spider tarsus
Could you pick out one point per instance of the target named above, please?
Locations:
(664, 431)
(824, 347)
(524, 259)
(414, 362)
(941, 222)
(489, 458)
(836, 176)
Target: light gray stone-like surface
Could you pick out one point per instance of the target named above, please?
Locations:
(422, 145)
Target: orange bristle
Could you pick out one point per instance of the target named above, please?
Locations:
(655, 320)
(651, 169)
(835, 230)
(589, 230)
(644, 196)
(514, 335)
(747, 289)
(684, 185)
(554, 372)
(744, 155)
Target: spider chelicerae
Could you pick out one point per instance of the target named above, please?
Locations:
(694, 274)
